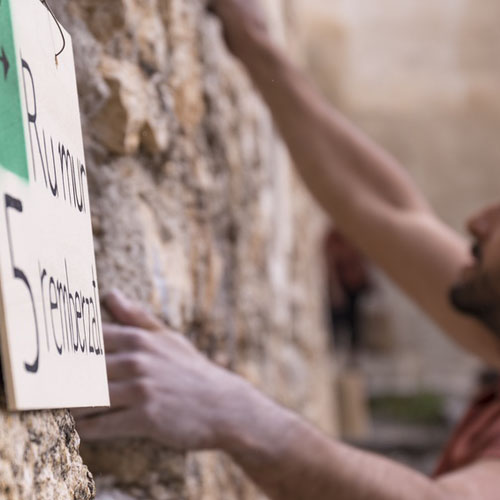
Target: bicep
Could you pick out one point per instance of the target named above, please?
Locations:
(424, 256)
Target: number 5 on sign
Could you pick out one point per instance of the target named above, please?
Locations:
(50, 320)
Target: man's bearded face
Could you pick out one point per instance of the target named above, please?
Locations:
(478, 291)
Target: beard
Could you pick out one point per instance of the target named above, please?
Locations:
(479, 297)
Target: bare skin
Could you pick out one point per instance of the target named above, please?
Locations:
(477, 292)
(371, 199)
(163, 389)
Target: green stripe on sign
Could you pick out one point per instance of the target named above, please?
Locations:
(13, 155)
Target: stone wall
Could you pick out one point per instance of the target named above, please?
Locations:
(197, 213)
(39, 458)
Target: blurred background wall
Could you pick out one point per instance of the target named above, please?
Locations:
(423, 79)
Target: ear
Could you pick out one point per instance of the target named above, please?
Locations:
(484, 222)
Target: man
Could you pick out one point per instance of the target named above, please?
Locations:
(162, 388)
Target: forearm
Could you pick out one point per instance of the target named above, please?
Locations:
(340, 165)
(291, 460)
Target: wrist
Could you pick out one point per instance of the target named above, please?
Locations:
(252, 428)
(231, 411)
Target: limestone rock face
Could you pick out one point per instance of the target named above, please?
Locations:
(196, 212)
(39, 458)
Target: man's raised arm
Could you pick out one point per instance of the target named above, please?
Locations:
(372, 200)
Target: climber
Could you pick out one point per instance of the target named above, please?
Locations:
(163, 389)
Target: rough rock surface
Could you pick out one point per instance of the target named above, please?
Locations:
(197, 213)
(39, 458)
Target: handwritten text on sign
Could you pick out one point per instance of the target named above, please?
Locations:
(52, 345)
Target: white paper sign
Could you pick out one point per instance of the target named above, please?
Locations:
(50, 321)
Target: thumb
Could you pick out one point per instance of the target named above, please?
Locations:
(130, 313)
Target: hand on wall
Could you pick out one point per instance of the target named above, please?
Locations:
(161, 387)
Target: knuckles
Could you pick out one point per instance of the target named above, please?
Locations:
(133, 313)
(138, 340)
(143, 390)
(177, 340)
(136, 364)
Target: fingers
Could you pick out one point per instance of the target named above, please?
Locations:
(130, 313)
(118, 338)
(127, 398)
(126, 366)
(124, 394)
(111, 425)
